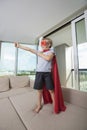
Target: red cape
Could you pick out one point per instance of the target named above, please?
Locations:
(59, 102)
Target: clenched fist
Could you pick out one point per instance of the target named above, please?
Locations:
(16, 44)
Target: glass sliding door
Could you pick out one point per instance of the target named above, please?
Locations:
(79, 37)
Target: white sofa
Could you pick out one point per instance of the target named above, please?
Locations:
(17, 100)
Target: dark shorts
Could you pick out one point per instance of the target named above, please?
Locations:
(43, 78)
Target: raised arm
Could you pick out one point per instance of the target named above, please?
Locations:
(25, 48)
(46, 57)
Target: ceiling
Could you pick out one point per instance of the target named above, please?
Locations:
(25, 20)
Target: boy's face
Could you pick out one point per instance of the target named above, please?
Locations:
(45, 44)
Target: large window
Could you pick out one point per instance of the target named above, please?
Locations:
(7, 58)
(79, 36)
(26, 62)
(16, 61)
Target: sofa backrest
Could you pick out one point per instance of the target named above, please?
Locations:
(4, 83)
(19, 81)
(10, 82)
(75, 97)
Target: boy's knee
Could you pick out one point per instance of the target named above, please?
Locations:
(51, 91)
(40, 91)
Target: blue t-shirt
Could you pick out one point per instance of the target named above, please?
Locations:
(44, 65)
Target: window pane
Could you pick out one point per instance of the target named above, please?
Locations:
(26, 61)
(82, 53)
(81, 31)
(7, 58)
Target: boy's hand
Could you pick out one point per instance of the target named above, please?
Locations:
(16, 44)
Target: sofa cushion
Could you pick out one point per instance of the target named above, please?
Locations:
(24, 105)
(4, 84)
(46, 119)
(75, 97)
(9, 120)
(14, 92)
(19, 81)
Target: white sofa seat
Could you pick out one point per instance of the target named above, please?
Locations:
(9, 120)
(74, 118)
(11, 86)
(17, 103)
(14, 92)
(14, 85)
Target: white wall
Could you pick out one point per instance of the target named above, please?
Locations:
(60, 55)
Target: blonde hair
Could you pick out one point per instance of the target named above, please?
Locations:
(48, 40)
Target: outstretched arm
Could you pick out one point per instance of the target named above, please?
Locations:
(25, 48)
(46, 57)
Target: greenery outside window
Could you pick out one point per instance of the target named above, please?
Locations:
(16, 61)
(26, 62)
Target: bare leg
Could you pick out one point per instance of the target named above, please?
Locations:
(52, 96)
(39, 101)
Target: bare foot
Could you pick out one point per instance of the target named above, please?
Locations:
(37, 109)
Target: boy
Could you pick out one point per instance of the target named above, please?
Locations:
(43, 70)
